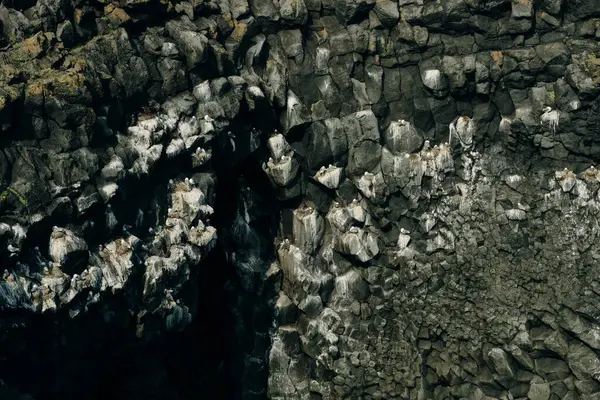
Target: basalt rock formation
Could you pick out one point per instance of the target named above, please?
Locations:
(299, 199)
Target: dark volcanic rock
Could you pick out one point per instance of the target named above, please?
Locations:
(298, 199)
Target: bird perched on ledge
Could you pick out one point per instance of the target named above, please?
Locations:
(231, 140)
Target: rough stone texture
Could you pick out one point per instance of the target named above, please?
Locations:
(387, 199)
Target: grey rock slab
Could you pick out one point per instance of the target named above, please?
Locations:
(192, 43)
(387, 11)
(296, 114)
(539, 391)
(293, 11)
(402, 137)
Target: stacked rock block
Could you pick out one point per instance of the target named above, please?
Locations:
(433, 162)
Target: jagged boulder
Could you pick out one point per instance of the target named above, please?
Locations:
(67, 249)
(402, 137)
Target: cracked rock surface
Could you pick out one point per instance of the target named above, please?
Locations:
(299, 199)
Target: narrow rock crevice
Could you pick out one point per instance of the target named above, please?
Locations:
(247, 219)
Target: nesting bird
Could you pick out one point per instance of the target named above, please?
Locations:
(550, 119)
(231, 140)
(207, 118)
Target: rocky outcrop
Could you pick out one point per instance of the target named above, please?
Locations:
(398, 199)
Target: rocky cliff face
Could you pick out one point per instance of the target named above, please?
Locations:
(299, 199)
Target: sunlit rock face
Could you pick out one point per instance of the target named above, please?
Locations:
(331, 177)
(299, 199)
(402, 137)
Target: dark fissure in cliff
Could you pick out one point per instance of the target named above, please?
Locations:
(247, 217)
(222, 353)
(97, 356)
